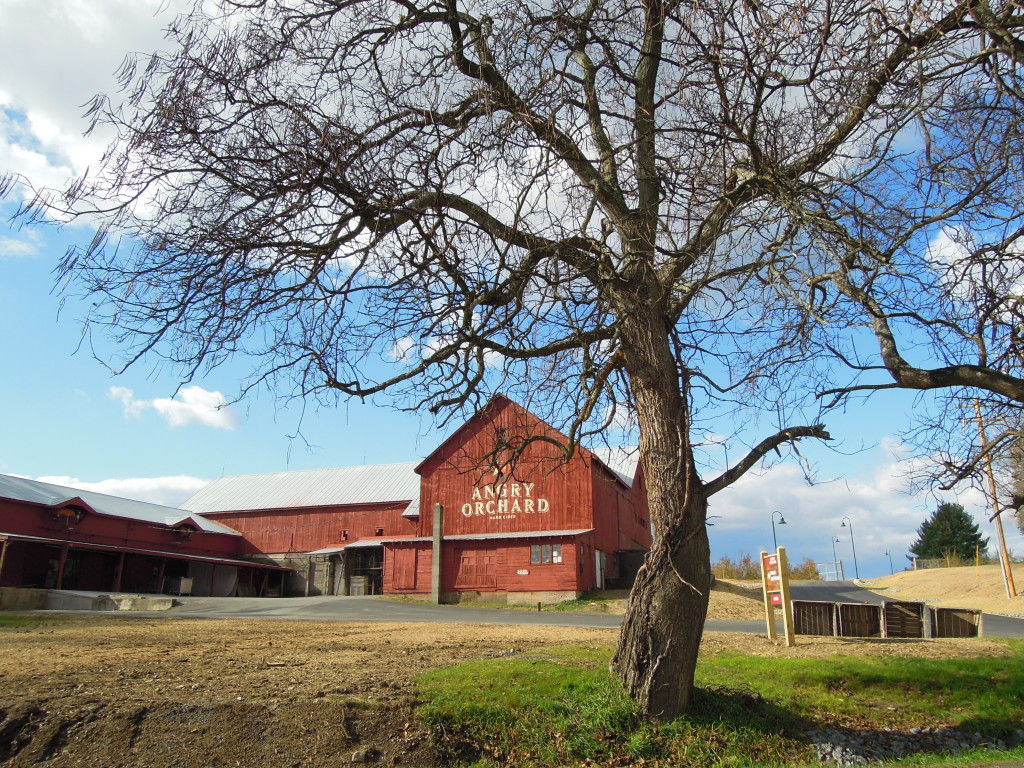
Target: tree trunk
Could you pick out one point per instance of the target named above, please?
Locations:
(661, 631)
(656, 657)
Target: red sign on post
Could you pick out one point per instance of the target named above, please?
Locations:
(776, 592)
(773, 579)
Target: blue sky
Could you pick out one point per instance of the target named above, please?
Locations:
(64, 417)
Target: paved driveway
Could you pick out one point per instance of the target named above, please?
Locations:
(377, 609)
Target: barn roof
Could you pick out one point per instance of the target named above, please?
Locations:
(622, 461)
(49, 495)
(372, 484)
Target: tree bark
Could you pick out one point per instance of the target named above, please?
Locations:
(657, 650)
(656, 656)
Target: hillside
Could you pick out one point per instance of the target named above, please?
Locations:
(980, 588)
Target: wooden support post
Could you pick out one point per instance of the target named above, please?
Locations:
(60, 567)
(787, 599)
(119, 573)
(3, 556)
(435, 565)
(768, 588)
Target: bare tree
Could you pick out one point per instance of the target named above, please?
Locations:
(593, 206)
(927, 239)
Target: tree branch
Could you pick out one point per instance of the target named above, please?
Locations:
(790, 435)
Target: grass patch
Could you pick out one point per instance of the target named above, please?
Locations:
(23, 620)
(561, 707)
(984, 694)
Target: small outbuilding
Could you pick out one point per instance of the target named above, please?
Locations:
(52, 537)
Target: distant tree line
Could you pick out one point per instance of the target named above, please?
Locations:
(747, 568)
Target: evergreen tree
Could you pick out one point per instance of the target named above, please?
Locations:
(949, 532)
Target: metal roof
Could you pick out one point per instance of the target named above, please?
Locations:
(371, 484)
(376, 541)
(23, 489)
(622, 461)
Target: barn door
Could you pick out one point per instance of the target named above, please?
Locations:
(475, 569)
(403, 565)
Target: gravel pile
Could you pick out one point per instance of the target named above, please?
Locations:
(845, 747)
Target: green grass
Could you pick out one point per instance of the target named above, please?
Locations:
(561, 707)
(22, 620)
(980, 693)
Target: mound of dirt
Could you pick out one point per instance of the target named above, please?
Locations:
(976, 587)
(123, 691)
(730, 600)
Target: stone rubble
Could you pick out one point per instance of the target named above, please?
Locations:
(852, 747)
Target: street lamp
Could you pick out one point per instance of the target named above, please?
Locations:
(891, 569)
(782, 521)
(853, 546)
(835, 557)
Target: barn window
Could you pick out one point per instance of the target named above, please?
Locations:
(544, 554)
(378, 531)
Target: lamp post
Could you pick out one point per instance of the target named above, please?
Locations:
(891, 569)
(782, 521)
(835, 557)
(853, 546)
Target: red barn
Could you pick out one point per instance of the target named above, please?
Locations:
(520, 523)
(52, 537)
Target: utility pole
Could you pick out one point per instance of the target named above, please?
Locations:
(997, 516)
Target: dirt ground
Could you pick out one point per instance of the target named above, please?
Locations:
(120, 691)
(732, 600)
(193, 693)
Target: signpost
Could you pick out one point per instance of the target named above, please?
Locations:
(775, 583)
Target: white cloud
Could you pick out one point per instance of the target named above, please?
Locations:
(169, 491)
(18, 247)
(621, 417)
(58, 54)
(946, 247)
(401, 350)
(884, 512)
(192, 404)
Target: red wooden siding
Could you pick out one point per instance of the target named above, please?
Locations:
(504, 566)
(543, 493)
(278, 531)
(407, 564)
(403, 568)
(621, 519)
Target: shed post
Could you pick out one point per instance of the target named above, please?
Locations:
(119, 573)
(3, 555)
(435, 565)
(60, 566)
